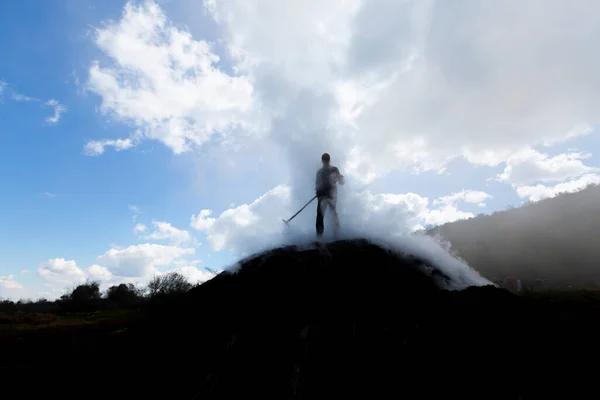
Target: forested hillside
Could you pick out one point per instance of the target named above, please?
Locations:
(554, 242)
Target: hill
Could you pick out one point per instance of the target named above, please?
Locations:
(552, 243)
(349, 318)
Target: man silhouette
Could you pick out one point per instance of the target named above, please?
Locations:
(326, 189)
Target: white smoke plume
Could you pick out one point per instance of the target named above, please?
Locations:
(310, 120)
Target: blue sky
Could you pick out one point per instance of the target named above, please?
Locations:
(115, 115)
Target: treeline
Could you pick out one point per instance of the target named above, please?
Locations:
(88, 296)
(553, 241)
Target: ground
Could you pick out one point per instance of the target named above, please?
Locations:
(311, 323)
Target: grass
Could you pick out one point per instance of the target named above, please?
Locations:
(564, 297)
(19, 321)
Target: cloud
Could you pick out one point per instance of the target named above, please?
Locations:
(22, 97)
(99, 273)
(135, 211)
(8, 282)
(24, 271)
(165, 231)
(165, 83)
(61, 272)
(530, 166)
(97, 147)
(49, 195)
(59, 110)
(2, 88)
(11, 289)
(194, 275)
(448, 213)
(203, 221)
(117, 265)
(540, 192)
(244, 228)
(140, 228)
(468, 196)
(141, 260)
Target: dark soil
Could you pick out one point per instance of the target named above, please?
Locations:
(349, 319)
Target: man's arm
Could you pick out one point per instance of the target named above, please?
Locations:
(317, 184)
(339, 178)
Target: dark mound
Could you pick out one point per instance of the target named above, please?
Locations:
(344, 319)
(347, 319)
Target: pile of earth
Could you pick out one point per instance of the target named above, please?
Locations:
(348, 318)
(343, 319)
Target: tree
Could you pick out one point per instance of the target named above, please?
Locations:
(124, 295)
(84, 297)
(169, 283)
(87, 292)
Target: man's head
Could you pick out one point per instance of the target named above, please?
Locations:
(325, 159)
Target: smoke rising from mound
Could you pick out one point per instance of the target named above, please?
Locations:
(307, 128)
(427, 248)
(309, 124)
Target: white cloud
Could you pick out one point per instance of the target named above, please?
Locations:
(59, 110)
(540, 192)
(165, 231)
(194, 275)
(21, 97)
(49, 195)
(140, 228)
(99, 273)
(203, 221)
(166, 83)
(448, 213)
(118, 265)
(11, 289)
(61, 272)
(24, 271)
(135, 211)
(468, 196)
(141, 260)
(8, 282)
(530, 166)
(97, 147)
(241, 229)
(2, 88)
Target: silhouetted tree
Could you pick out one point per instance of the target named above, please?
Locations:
(86, 292)
(123, 295)
(170, 283)
(84, 297)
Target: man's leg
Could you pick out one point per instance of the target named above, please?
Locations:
(320, 214)
(334, 217)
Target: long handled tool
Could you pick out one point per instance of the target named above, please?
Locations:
(299, 211)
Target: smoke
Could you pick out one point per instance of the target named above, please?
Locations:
(308, 106)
